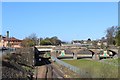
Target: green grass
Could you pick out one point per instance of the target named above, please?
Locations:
(114, 61)
(95, 69)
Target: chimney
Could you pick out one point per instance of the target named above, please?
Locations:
(8, 38)
(7, 34)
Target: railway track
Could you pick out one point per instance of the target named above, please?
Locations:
(49, 71)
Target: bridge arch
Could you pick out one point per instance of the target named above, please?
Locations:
(113, 53)
(92, 52)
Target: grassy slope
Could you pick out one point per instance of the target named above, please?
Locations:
(114, 61)
(95, 69)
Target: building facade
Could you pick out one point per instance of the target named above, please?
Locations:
(10, 42)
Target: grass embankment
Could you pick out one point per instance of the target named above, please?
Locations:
(113, 61)
(95, 69)
(67, 73)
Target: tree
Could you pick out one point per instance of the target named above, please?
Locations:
(30, 41)
(89, 41)
(45, 42)
(34, 38)
(50, 41)
(103, 38)
(110, 35)
(27, 42)
(117, 37)
(55, 41)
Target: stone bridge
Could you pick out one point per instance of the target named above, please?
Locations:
(72, 51)
(79, 52)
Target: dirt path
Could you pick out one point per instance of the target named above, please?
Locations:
(40, 72)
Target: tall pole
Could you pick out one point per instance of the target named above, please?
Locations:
(8, 38)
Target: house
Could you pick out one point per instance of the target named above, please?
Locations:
(10, 42)
(1, 41)
(100, 42)
(76, 42)
(82, 43)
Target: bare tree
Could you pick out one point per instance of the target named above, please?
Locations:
(34, 38)
(110, 34)
(30, 41)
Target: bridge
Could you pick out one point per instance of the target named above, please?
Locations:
(73, 52)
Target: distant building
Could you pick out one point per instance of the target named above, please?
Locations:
(85, 42)
(102, 41)
(76, 42)
(82, 43)
(10, 42)
(99, 43)
(1, 41)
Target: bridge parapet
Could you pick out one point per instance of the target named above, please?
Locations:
(72, 51)
(96, 51)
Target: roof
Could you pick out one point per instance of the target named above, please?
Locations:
(11, 39)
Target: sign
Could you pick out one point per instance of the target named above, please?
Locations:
(105, 54)
(62, 53)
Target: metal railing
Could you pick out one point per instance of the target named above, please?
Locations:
(79, 71)
(9, 50)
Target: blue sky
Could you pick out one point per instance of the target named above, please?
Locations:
(68, 21)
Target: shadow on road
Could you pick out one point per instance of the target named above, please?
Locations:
(42, 61)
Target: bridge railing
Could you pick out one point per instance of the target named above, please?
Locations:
(79, 71)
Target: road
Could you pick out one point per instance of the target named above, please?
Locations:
(47, 70)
